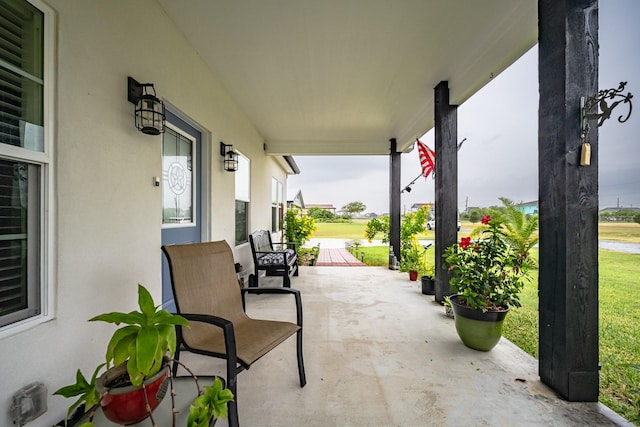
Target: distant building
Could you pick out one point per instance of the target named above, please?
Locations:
(528, 208)
(294, 198)
(417, 206)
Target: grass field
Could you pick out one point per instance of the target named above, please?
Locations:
(619, 310)
(619, 332)
(619, 232)
(612, 231)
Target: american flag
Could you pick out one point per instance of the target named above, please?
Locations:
(427, 158)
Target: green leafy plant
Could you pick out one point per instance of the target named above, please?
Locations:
(486, 273)
(427, 270)
(520, 229)
(145, 344)
(308, 256)
(354, 208)
(86, 392)
(377, 225)
(210, 404)
(412, 223)
(298, 227)
(148, 337)
(320, 215)
(412, 258)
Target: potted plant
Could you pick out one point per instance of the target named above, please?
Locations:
(412, 224)
(411, 260)
(487, 275)
(427, 279)
(427, 274)
(137, 361)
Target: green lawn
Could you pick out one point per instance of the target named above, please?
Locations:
(341, 230)
(619, 310)
(619, 332)
(620, 232)
(351, 230)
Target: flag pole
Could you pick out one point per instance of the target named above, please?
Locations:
(408, 187)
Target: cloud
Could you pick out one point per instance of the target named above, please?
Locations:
(500, 122)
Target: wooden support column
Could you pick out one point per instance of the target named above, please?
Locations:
(394, 198)
(568, 199)
(446, 170)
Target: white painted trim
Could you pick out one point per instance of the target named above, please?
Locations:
(47, 161)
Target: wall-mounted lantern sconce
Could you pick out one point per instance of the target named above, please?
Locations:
(230, 157)
(149, 110)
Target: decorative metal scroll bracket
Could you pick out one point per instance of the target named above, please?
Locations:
(602, 99)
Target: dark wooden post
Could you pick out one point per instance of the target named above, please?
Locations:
(394, 198)
(568, 197)
(446, 170)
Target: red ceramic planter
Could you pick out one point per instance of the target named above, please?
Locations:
(413, 275)
(126, 405)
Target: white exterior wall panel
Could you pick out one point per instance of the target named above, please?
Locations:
(107, 219)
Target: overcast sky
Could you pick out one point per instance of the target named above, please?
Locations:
(500, 122)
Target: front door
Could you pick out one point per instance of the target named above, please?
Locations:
(181, 192)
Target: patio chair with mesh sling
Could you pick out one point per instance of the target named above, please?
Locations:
(206, 292)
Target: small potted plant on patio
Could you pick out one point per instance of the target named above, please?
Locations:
(427, 274)
(411, 260)
(487, 275)
(428, 279)
(138, 370)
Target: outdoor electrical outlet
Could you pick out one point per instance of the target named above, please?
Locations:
(28, 403)
(156, 181)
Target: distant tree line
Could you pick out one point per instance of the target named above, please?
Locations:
(621, 215)
(475, 214)
(323, 215)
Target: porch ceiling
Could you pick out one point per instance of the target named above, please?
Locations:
(345, 76)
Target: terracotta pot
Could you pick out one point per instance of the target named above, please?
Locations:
(127, 405)
(413, 275)
(477, 330)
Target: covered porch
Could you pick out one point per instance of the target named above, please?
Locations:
(379, 352)
(305, 78)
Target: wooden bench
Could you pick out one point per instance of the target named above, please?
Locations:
(274, 262)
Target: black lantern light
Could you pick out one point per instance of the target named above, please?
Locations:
(149, 110)
(230, 157)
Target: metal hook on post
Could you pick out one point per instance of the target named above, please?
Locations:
(600, 99)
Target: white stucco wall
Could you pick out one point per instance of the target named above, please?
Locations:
(107, 236)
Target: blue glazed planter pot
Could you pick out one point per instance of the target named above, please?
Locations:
(477, 330)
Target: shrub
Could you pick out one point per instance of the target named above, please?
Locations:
(298, 227)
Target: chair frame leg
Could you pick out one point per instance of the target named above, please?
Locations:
(301, 373)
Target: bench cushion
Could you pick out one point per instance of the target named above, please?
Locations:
(276, 258)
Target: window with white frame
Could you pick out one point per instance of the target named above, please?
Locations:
(26, 40)
(243, 178)
(277, 200)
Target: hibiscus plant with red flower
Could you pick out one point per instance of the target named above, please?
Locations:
(486, 273)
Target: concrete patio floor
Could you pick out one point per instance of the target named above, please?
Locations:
(379, 353)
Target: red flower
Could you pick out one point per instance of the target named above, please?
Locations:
(465, 242)
(486, 219)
